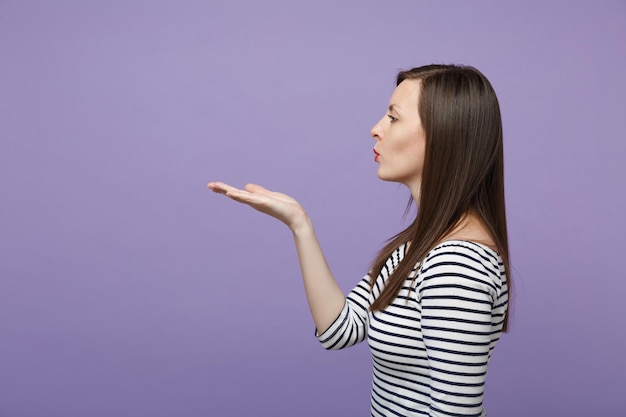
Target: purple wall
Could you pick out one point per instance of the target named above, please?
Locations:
(128, 289)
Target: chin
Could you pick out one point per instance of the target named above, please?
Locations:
(386, 177)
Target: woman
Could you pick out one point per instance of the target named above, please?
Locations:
(435, 301)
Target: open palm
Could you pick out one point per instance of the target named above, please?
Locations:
(278, 205)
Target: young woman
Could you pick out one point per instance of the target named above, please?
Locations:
(435, 301)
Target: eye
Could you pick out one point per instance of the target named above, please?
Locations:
(391, 118)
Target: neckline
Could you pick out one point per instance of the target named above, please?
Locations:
(480, 245)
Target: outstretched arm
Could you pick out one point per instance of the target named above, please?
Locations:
(324, 296)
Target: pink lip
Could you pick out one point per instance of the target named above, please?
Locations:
(376, 155)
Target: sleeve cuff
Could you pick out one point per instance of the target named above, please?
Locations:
(327, 338)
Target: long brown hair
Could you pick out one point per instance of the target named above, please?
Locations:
(463, 169)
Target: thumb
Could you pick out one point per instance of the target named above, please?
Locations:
(254, 188)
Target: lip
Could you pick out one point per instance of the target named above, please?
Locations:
(376, 155)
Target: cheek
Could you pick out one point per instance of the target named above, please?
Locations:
(410, 144)
(412, 151)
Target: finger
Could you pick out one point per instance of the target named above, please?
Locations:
(220, 187)
(257, 189)
(246, 197)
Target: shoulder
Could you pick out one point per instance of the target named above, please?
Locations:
(394, 260)
(462, 263)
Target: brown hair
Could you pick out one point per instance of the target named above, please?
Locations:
(463, 169)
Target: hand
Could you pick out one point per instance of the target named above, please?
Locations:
(323, 294)
(277, 205)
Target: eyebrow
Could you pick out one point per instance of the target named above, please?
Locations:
(393, 107)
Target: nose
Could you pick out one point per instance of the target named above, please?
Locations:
(376, 131)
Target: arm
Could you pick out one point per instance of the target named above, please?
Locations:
(350, 326)
(324, 296)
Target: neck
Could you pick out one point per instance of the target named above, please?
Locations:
(470, 227)
(415, 190)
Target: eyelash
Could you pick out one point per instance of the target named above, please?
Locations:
(391, 118)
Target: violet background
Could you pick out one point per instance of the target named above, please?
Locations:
(128, 289)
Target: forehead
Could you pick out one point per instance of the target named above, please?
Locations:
(406, 94)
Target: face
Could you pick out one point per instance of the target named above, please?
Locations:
(400, 138)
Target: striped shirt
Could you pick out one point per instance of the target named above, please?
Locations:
(431, 346)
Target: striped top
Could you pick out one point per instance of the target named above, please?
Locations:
(431, 346)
